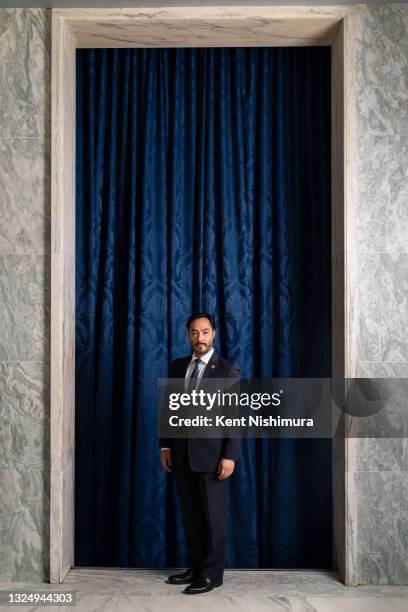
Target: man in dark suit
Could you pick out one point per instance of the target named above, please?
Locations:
(202, 467)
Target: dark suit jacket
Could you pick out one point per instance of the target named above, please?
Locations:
(203, 453)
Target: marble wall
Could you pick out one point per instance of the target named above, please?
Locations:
(381, 479)
(25, 96)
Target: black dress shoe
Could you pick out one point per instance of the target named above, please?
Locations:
(184, 578)
(202, 585)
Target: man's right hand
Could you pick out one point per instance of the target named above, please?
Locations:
(165, 458)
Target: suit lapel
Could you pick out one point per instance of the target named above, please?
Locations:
(211, 368)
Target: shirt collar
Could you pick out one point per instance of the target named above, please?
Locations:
(205, 358)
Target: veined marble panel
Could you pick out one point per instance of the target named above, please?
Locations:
(25, 125)
(382, 369)
(383, 307)
(25, 72)
(382, 455)
(24, 307)
(397, 207)
(24, 524)
(382, 527)
(24, 414)
(373, 192)
(24, 470)
(382, 69)
(25, 195)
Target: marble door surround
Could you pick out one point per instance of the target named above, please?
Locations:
(204, 26)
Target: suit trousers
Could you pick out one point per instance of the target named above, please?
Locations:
(203, 502)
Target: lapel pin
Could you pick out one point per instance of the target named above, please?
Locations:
(212, 366)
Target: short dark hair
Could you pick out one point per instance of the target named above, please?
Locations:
(199, 315)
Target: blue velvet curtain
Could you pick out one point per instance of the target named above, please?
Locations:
(203, 182)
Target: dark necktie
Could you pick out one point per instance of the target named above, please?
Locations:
(194, 375)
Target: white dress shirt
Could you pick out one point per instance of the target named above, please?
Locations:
(201, 368)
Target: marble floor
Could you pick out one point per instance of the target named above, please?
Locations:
(121, 590)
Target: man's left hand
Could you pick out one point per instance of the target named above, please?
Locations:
(225, 468)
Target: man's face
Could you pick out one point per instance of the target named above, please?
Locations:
(201, 335)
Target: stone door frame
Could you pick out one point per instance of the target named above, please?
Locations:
(204, 26)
